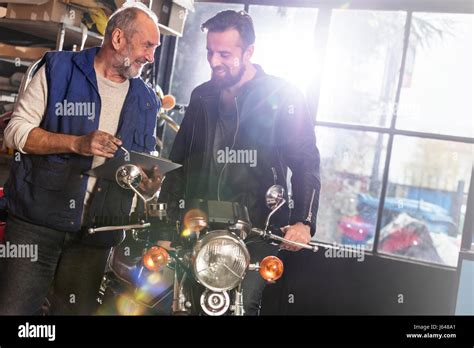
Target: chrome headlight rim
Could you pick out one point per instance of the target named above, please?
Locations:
(213, 235)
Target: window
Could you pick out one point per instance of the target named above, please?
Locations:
(191, 66)
(361, 67)
(420, 157)
(426, 198)
(437, 85)
(427, 185)
(276, 48)
(351, 173)
(168, 133)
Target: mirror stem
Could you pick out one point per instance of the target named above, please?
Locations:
(273, 212)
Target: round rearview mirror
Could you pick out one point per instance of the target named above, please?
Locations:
(274, 196)
(128, 174)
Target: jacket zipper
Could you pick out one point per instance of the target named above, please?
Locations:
(232, 147)
(310, 211)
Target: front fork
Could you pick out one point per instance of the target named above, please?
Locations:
(239, 302)
(182, 302)
(181, 305)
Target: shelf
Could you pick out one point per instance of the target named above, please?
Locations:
(50, 30)
(73, 35)
(8, 97)
(23, 61)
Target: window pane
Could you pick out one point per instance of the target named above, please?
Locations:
(437, 86)
(284, 43)
(191, 66)
(351, 171)
(472, 240)
(168, 133)
(426, 199)
(361, 67)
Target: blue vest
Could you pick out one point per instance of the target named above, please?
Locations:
(49, 190)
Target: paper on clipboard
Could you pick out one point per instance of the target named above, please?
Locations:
(143, 160)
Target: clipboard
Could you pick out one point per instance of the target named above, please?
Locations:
(145, 161)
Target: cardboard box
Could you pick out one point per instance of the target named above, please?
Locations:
(108, 6)
(27, 53)
(177, 17)
(52, 10)
(172, 13)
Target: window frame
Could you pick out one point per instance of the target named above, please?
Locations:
(321, 37)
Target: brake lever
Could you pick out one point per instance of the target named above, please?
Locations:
(270, 235)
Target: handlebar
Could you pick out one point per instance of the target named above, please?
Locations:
(114, 228)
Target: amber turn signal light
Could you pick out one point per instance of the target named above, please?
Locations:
(271, 268)
(155, 258)
(168, 102)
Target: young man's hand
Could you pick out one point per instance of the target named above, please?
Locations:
(298, 232)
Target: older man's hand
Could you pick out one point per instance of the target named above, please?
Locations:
(298, 232)
(97, 143)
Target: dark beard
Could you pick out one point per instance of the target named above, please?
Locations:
(228, 80)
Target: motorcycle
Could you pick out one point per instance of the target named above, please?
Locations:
(202, 273)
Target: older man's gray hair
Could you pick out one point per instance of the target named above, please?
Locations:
(124, 18)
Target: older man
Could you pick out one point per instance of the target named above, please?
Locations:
(77, 111)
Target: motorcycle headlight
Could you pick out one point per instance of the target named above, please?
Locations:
(220, 260)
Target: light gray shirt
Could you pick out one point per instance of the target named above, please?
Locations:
(31, 107)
